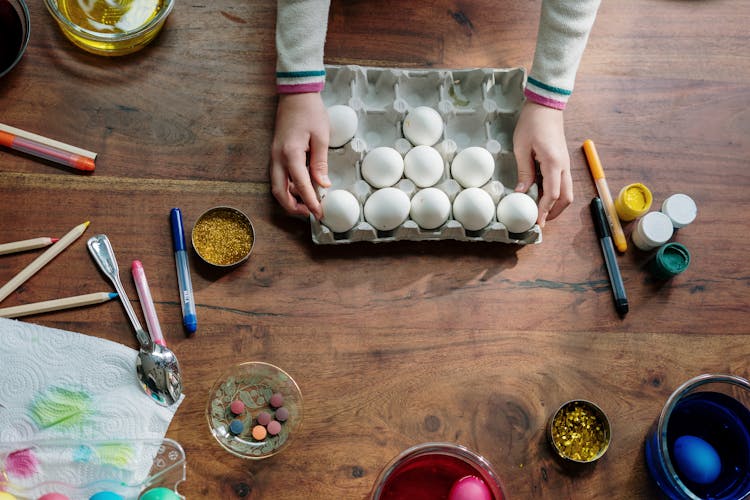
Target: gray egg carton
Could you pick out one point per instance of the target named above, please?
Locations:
(479, 107)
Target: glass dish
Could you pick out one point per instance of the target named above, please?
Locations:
(110, 28)
(15, 28)
(253, 383)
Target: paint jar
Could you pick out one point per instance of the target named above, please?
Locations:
(430, 470)
(681, 209)
(579, 432)
(715, 410)
(653, 230)
(669, 261)
(633, 201)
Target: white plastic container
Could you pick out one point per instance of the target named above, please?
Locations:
(652, 231)
(681, 209)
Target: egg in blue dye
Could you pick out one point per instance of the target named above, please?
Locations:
(160, 494)
(696, 459)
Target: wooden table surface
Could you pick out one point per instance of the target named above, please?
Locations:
(401, 343)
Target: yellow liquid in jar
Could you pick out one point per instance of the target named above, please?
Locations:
(111, 17)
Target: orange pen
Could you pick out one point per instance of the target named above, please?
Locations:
(45, 148)
(597, 172)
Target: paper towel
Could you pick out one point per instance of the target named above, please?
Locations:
(67, 387)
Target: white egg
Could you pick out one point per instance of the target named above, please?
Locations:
(423, 126)
(517, 212)
(387, 208)
(473, 208)
(430, 208)
(383, 167)
(473, 167)
(343, 122)
(423, 165)
(340, 210)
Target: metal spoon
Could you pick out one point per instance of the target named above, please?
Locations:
(157, 367)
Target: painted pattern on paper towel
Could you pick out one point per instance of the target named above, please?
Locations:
(73, 390)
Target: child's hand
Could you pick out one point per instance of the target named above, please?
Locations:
(540, 137)
(301, 129)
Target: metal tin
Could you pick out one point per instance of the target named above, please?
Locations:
(601, 418)
(216, 240)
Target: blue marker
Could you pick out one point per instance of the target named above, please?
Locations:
(189, 318)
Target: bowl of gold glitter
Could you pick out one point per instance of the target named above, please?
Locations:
(579, 432)
(223, 237)
(110, 27)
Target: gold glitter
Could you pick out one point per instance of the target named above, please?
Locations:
(579, 432)
(222, 237)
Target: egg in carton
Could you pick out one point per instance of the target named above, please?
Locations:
(424, 155)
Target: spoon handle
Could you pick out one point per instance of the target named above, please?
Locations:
(101, 250)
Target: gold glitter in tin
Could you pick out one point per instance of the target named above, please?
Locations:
(222, 237)
(579, 432)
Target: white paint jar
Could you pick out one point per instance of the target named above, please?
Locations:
(652, 231)
(681, 209)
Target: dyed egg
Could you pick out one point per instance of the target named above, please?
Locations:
(430, 208)
(517, 212)
(387, 208)
(343, 122)
(160, 494)
(423, 126)
(6, 496)
(473, 207)
(340, 210)
(473, 167)
(53, 496)
(106, 495)
(696, 459)
(469, 488)
(382, 167)
(423, 165)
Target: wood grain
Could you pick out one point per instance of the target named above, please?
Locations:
(398, 344)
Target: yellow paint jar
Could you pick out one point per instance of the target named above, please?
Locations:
(633, 201)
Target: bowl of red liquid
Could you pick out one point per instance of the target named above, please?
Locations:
(15, 28)
(430, 471)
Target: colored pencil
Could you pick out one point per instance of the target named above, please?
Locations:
(147, 303)
(56, 304)
(42, 260)
(23, 245)
(48, 149)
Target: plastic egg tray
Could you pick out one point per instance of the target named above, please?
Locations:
(80, 469)
(479, 107)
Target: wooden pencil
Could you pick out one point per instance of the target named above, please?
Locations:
(56, 304)
(42, 260)
(23, 245)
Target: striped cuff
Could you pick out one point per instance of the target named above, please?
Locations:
(546, 95)
(297, 82)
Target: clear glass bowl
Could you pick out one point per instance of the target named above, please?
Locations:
(253, 383)
(121, 32)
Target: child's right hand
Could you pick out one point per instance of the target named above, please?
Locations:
(301, 129)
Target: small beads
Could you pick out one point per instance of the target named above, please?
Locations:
(274, 427)
(264, 418)
(259, 433)
(237, 407)
(282, 414)
(268, 422)
(236, 426)
(277, 400)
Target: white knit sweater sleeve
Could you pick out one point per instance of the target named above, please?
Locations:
(301, 27)
(564, 30)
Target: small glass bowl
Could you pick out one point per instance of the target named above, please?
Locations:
(24, 31)
(562, 448)
(223, 237)
(253, 383)
(115, 43)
